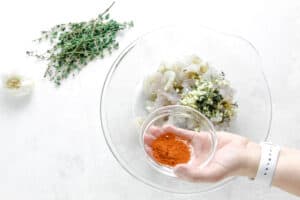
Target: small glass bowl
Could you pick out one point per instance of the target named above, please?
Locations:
(182, 117)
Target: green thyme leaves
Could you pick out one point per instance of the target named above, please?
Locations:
(206, 98)
(74, 45)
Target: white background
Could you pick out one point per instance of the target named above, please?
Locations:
(51, 144)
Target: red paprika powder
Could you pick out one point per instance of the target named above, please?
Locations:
(170, 149)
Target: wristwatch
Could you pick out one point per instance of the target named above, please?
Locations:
(268, 162)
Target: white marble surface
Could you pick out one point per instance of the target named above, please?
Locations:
(51, 144)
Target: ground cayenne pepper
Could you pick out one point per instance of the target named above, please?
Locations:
(169, 149)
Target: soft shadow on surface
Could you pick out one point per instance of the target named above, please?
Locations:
(15, 103)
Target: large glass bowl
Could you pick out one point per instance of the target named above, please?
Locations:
(122, 102)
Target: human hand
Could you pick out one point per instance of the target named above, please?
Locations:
(234, 156)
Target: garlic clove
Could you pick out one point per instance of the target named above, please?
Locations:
(16, 84)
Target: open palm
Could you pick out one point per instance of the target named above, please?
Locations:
(229, 158)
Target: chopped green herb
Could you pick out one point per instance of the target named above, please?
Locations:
(207, 99)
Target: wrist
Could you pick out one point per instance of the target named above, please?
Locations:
(251, 159)
(283, 163)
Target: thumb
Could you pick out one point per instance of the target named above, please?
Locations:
(213, 173)
(185, 172)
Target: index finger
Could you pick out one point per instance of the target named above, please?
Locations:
(155, 131)
(187, 134)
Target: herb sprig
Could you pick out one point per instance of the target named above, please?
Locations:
(74, 45)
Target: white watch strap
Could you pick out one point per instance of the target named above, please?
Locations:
(268, 163)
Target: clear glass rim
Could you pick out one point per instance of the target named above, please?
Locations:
(106, 134)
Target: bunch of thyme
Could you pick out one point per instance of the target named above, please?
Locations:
(74, 45)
